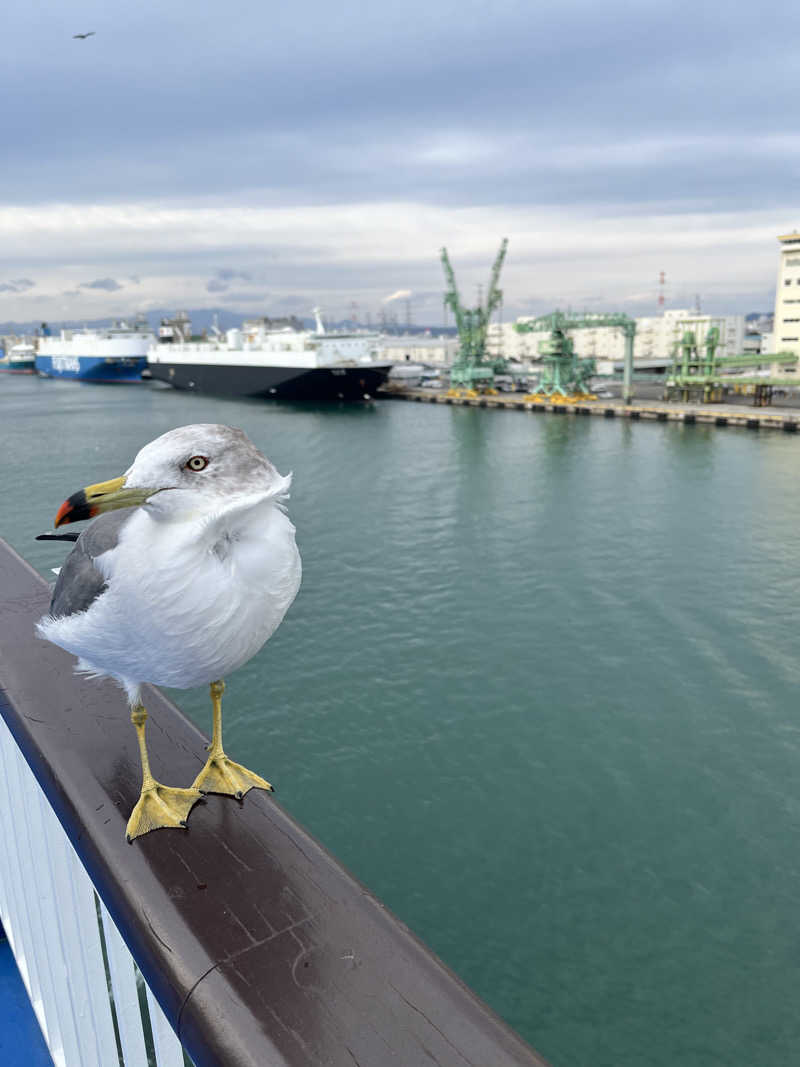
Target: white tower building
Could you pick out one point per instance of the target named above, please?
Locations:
(787, 296)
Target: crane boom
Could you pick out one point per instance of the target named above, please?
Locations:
(495, 295)
(451, 297)
(471, 369)
(563, 320)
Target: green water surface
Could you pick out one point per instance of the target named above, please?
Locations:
(538, 691)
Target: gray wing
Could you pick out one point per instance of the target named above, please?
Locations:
(79, 581)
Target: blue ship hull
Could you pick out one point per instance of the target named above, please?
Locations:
(92, 368)
(21, 1039)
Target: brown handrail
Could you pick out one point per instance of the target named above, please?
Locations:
(261, 949)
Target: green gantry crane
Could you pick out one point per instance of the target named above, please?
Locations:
(473, 371)
(564, 374)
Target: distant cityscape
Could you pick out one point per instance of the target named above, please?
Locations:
(203, 319)
(756, 332)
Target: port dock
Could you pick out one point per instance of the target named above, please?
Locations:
(786, 419)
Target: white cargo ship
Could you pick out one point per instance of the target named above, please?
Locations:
(270, 358)
(19, 359)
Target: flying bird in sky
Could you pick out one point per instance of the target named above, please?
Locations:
(82, 36)
(186, 572)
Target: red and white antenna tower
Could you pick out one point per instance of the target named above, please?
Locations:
(662, 279)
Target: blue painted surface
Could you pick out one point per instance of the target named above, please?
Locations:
(21, 1041)
(92, 368)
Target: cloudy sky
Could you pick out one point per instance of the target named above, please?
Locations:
(265, 157)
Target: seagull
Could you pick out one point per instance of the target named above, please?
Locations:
(82, 36)
(187, 570)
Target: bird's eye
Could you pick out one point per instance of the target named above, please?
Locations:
(197, 463)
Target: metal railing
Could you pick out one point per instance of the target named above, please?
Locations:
(257, 948)
(92, 1005)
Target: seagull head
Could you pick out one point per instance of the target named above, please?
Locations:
(198, 469)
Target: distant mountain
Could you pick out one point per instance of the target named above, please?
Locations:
(202, 319)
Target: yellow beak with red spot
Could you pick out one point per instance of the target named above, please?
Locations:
(95, 499)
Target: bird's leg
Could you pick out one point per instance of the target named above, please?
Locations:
(158, 805)
(221, 775)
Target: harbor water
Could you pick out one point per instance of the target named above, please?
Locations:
(539, 692)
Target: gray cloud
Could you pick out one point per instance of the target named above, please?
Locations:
(220, 283)
(616, 111)
(109, 284)
(19, 285)
(552, 77)
(227, 275)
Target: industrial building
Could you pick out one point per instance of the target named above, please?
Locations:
(656, 337)
(437, 351)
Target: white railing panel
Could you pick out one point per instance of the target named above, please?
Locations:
(48, 907)
(69, 936)
(25, 922)
(126, 994)
(9, 888)
(82, 949)
(46, 899)
(15, 918)
(169, 1051)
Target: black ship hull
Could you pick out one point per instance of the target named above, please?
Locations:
(284, 383)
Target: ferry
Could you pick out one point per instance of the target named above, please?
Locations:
(268, 358)
(116, 353)
(19, 359)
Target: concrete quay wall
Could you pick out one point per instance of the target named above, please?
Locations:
(715, 414)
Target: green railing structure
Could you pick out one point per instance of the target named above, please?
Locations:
(564, 373)
(700, 372)
(473, 370)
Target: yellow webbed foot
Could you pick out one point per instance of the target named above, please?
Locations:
(161, 806)
(222, 775)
